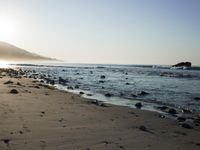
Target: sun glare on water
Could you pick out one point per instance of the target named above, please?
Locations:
(4, 64)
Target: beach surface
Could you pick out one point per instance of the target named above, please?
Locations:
(35, 116)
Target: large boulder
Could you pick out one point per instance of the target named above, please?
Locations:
(183, 64)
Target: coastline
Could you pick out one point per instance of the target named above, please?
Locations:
(42, 117)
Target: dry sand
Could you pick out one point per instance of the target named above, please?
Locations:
(39, 117)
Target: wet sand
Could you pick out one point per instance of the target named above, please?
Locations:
(40, 117)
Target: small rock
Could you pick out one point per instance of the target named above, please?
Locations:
(163, 108)
(143, 128)
(70, 88)
(143, 93)
(197, 98)
(9, 82)
(181, 119)
(138, 105)
(100, 81)
(187, 126)
(76, 87)
(103, 77)
(81, 93)
(172, 111)
(133, 95)
(108, 95)
(18, 83)
(14, 91)
(6, 141)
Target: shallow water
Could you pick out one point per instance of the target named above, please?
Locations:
(125, 82)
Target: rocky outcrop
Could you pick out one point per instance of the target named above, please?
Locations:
(183, 64)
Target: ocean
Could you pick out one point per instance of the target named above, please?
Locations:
(125, 85)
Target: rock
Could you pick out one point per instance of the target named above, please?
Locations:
(181, 119)
(172, 111)
(183, 64)
(76, 87)
(161, 116)
(197, 121)
(138, 105)
(62, 81)
(187, 126)
(9, 82)
(81, 93)
(100, 81)
(70, 88)
(14, 91)
(143, 128)
(103, 77)
(6, 141)
(89, 94)
(163, 108)
(37, 87)
(133, 95)
(18, 83)
(197, 98)
(143, 93)
(127, 83)
(108, 95)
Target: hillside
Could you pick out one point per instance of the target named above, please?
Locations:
(12, 53)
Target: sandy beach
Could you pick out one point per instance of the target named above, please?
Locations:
(34, 116)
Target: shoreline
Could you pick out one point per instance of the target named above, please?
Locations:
(41, 117)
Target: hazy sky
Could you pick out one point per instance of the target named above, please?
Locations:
(105, 31)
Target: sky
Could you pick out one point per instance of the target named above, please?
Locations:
(105, 31)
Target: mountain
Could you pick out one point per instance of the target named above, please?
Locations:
(12, 53)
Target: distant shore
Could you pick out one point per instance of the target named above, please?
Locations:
(38, 116)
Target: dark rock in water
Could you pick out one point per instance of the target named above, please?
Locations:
(102, 87)
(172, 111)
(103, 77)
(163, 108)
(81, 93)
(126, 73)
(181, 119)
(9, 82)
(183, 64)
(138, 105)
(127, 83)
(89, 94)
(91, 72)
(187, 126)
(197, 98)
(108, 95)
(76, 87)
(62, 81)
(14, 91)
(143, 93)
(133, 95)
(70, 88)
(100, 81)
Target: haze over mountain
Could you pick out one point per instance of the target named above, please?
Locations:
(10, 52)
